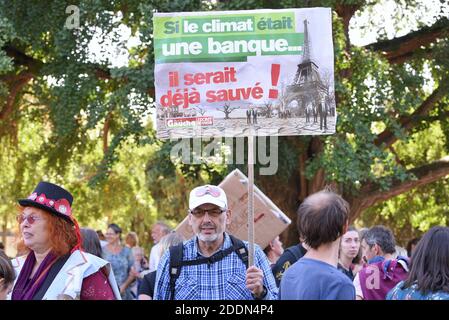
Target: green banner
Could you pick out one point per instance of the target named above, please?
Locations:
(233, 24)
(227, 47)
(225, 38)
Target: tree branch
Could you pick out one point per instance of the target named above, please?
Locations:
(315, 148)
(407, 122)
(15, 84)
(346, 11)
(21, 59)
(400, 49)
(396, 156)
(371, 194)
(34, 65)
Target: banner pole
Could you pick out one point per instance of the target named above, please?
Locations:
(251, 196)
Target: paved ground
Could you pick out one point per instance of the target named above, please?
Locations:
(265, 126)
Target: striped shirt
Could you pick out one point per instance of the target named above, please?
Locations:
(222, 280)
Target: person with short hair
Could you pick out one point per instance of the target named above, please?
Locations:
(383, 271)
(429, 269)
(158, 230)
(274, 250)
(213, 264)
(55, 267)
(322, 220)
(7, 275)
(132, 240)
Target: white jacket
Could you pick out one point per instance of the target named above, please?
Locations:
(68, 281)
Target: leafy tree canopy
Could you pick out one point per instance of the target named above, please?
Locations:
(73, 114)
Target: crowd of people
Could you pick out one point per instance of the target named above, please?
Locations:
(56, 259)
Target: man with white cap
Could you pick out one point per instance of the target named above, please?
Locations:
(213, 264)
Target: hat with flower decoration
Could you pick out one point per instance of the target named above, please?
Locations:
(51, 198)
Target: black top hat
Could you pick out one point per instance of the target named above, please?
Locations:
(51, 198)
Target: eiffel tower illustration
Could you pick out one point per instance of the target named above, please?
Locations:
(307, 89)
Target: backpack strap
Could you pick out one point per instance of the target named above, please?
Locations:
(240, 249)
(389, 266)
(209, 260)
(176, 261)
(404, 262)
(175, 266)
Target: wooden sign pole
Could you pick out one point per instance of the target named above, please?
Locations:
(251, 196)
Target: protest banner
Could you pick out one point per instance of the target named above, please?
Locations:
(268, 218)
(244, 73)
(218, 73)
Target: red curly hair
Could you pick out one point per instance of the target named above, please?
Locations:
(62, 234)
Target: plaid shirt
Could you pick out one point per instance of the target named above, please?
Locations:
(222, 280)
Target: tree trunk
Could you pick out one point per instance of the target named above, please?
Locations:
(106, 127)
(288, 193)
(15, 85)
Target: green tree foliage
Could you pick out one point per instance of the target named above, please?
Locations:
(123, 198)
(74, 115)
(412, 213)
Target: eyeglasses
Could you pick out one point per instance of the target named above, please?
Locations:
(212, 190)
(212, 212)
(30, 219)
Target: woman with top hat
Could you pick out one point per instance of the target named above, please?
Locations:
(55, 266)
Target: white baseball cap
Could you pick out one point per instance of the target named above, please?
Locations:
(207, 194)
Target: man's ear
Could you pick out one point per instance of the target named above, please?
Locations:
(228, 217)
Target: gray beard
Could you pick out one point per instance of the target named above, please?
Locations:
(208, 238)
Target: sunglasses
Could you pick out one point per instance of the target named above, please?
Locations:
(212, 212)
(212, 190)
(30, 219)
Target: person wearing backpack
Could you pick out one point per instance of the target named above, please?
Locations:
(288, 258)
(383, 271)
(213, 265)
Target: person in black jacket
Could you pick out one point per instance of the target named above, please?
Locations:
(289, 257)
